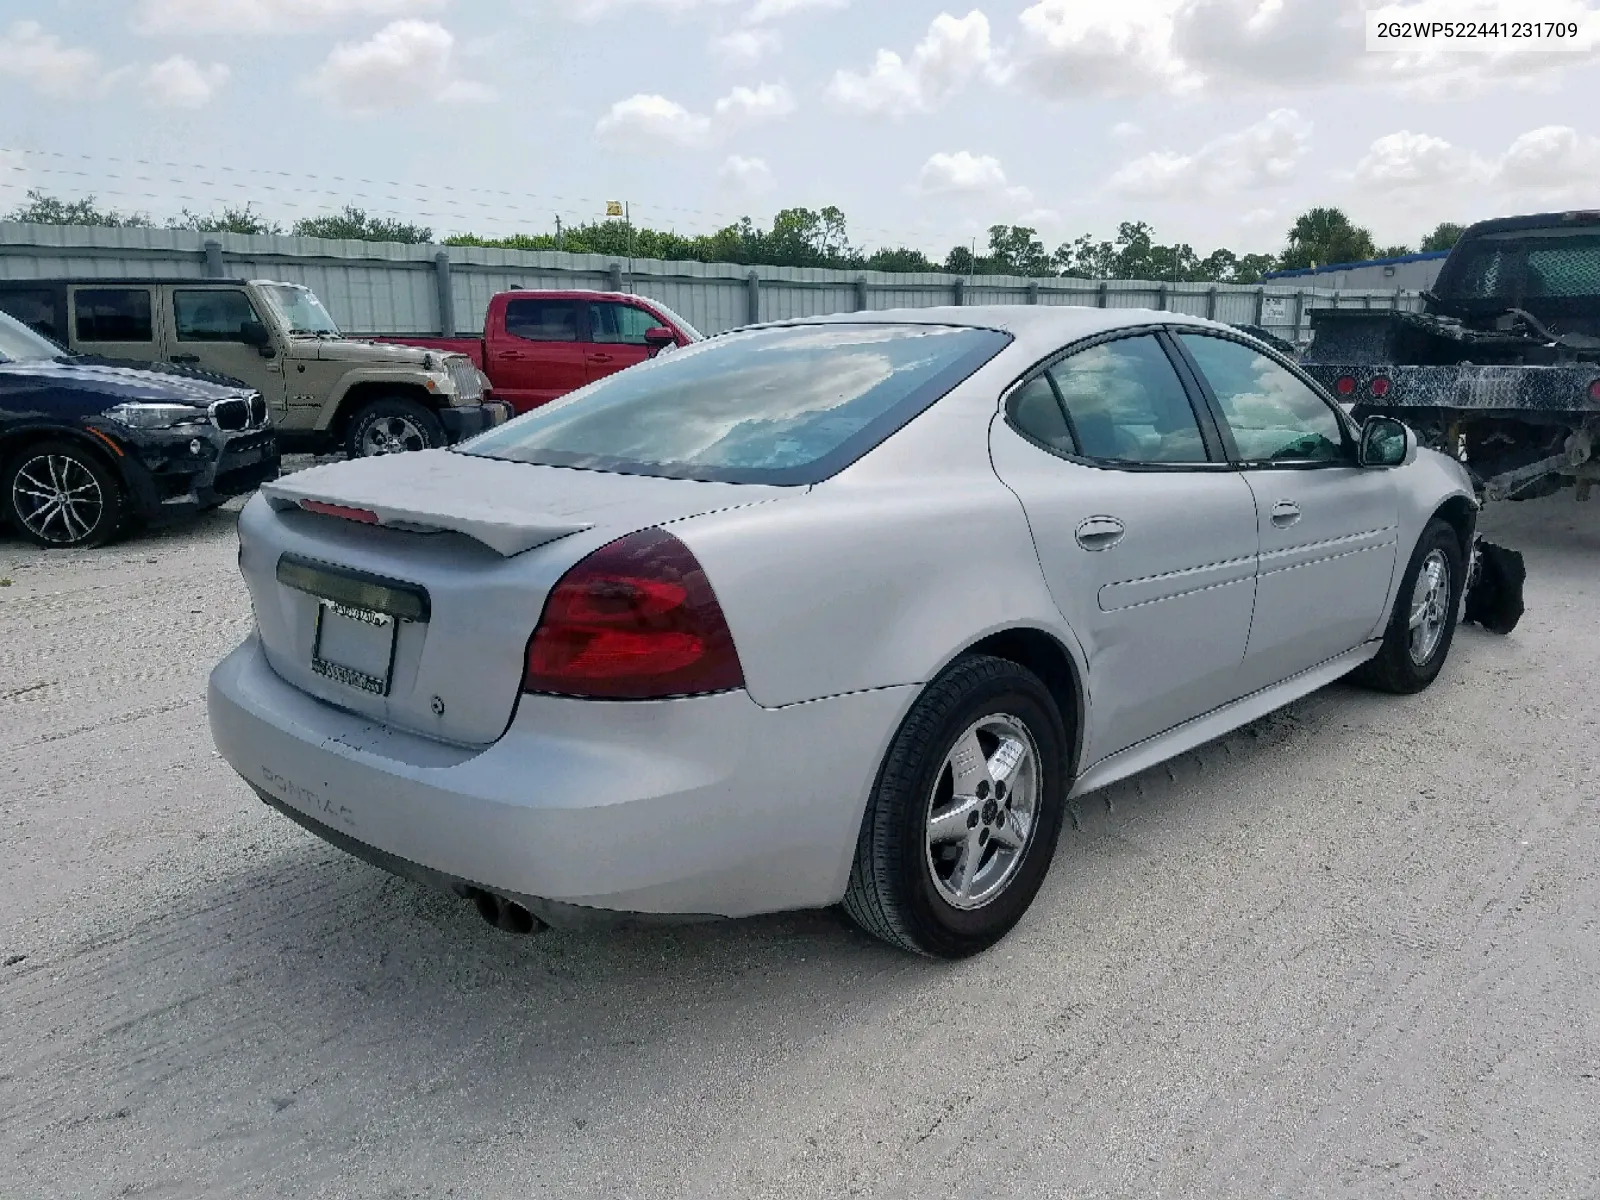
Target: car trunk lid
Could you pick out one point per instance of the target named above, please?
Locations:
(419, 617)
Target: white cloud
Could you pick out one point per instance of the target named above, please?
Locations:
(1554, 159)
(1405, 160)
(966, 174)
(1125, 131)
(39, 59)
(773, 10)
(953, 52)
(180, 82)
(1071, 48)
(745, 47)
(747, 106)
(749, 176)
(648, 122)
(1261, 155)
(403, 62)
(266, 16)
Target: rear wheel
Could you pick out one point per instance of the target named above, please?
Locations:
(392, 425)
(60, 495)
(1423, 624)
(963, 822)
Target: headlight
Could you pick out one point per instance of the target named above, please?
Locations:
(141, 415)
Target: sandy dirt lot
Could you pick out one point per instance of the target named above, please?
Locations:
(1350, 950)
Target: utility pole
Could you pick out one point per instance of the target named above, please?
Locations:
(559, 243)
(627, 215)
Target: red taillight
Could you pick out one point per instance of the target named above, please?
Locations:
(636, 620)
(1379, 387)
(1594, 390)
(364, 515)
(1344, 385)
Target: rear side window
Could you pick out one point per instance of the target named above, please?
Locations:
(215, 315)
(619, 323)
(113, 315)
(542, 320)
(1273, 416)
(36, 310)
(1038, 413)
(1125, 404)
(790, 405)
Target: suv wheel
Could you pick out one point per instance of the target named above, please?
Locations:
(392, 425)
(963, 822)
(59, 495)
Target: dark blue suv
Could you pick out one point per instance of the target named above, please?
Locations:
(90, 448)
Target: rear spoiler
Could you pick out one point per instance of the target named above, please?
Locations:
(494, 519)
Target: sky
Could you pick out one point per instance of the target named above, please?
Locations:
(1216, 121)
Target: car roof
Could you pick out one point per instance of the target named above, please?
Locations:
(1033, 326)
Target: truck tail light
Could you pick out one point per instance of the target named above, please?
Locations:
(1379, 387)
(1345, 384)
(1594, 390)
(636, 620)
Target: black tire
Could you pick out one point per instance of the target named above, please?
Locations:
(1395, 669)
(395, 420)
(99, 509)
(894, 893)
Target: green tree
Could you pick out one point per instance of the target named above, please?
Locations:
(357, 225)
(1445, 235)
(1015, 250)
(1326, 235)
(1392, 251)
(40, 209)
(900, 259)
(228, 220)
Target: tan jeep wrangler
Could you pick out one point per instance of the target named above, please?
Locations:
(326, 391)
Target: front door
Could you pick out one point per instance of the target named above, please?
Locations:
(1147, 537)
(1328, 527)
(616, 337)
(116, 322)
(542, 355)
(207, 333)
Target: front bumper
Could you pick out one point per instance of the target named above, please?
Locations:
(710, 806)
(469, 420)
(170, 474)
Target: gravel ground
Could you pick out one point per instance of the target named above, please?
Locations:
(1350, 950)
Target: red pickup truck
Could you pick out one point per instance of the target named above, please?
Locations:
(540, 345)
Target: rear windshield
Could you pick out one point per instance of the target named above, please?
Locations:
(790, 405)
(1525, 264)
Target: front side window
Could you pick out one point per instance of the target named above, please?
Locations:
(113, 315)
(788, 405)
(211, 316)
(623, 323)
(1124, 403)
(542, 320)
(1273, 415)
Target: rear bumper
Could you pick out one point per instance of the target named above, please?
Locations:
(712, 806)
(469, 420)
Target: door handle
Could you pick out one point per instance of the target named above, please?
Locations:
(509, 354)
(185, 358)
(1285, 513)
(1100, 533)
(599, 358)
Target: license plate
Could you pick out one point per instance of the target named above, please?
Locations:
(354, 646)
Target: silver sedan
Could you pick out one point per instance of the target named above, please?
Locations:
(837, 611)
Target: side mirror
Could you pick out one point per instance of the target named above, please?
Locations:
(1385, 442)
(254, 333)
(659, 338)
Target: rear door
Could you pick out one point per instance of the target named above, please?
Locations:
(1147, 536)
(116, 320)
(207, 326)
(539, 353)
(1328, 527)
(616, 337)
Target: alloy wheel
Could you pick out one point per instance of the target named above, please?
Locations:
(58, 499)
(392, 435)
(982, 812)
(1430, 607)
